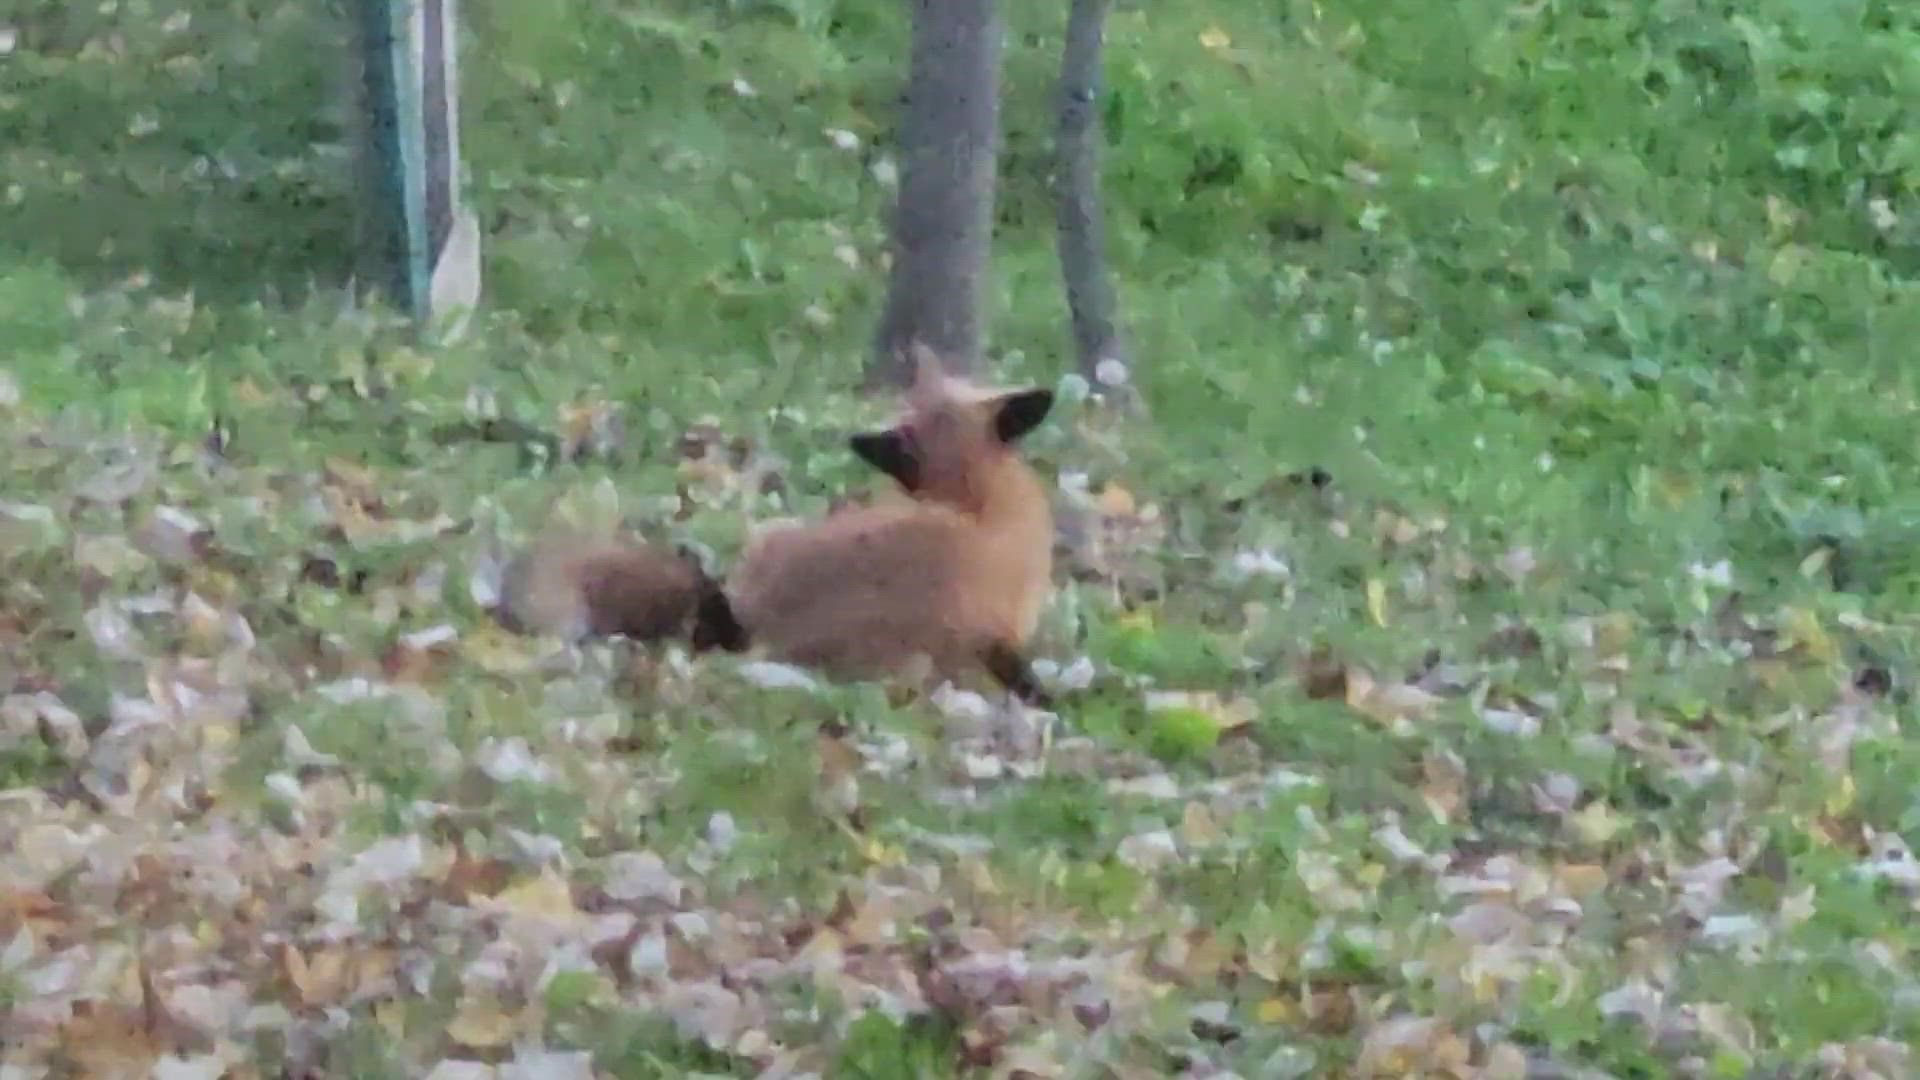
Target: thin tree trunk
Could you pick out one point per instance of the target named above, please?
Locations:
(943, 223)
(1080, 219)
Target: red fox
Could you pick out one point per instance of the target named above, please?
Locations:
(954, 575)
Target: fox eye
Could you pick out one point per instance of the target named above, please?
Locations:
(892, 452)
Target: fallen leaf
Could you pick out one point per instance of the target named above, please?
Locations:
(1596, 823)
(1115, 501)
(318, 980)
(1390, 703)
(1277, 1011)
(545, 897)
(1802, 627)
(481, 1024)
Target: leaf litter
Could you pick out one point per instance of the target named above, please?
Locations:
(165, 915)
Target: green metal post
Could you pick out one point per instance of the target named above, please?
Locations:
(398, 203)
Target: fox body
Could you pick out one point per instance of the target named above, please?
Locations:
(953, 575)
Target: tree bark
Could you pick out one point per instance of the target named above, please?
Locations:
(943, 221)
(1080, 219)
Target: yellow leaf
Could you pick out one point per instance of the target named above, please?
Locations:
(1215, 39)
(321, 980)
(1388, 704)
(1803, 627)
(1812, 565)
(882, 853)
(1581, 880)
(1377, 601)
(1115, 501)
(546, 896)
(1612, 632)
(391, 1015)
(1673, 488)
(1597, 823)
(496, 652)
(1266, 961)
(1842, 800)
(482, 1024)
(407, 365)
(1277, 1011)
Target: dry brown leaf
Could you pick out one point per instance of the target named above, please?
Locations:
(1268, 960)
(1413, 1046)
(1505, 1061)
(1581, 880)
(1391, 703)
(318, 980)
(545, 897)
(1322, 675)
(30, 908)
(1596, 823)
(482, 1024)
(469, 877)
(1197, 827)
(1443, 785)
(1278, 1010)
(404, 664)
(110, 1041)
(1115, 501)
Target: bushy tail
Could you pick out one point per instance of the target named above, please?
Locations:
(573, 588)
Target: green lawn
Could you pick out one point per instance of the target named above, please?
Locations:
(1568, 726)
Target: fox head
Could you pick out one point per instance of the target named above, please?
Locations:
(953, 436)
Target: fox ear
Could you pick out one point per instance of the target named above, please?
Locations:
(888, 451)
(1020, 412)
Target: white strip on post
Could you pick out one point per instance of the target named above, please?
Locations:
(454, 281)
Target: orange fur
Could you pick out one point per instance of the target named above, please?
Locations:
(956, 575)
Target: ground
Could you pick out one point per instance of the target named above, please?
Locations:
(1564, 730)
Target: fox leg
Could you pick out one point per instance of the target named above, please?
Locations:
(714, 624)
(1011, 669)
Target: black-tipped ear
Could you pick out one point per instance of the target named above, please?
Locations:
(888, 451)
(1021, 412)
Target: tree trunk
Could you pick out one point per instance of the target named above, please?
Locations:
(943, 223)
(1081, 223)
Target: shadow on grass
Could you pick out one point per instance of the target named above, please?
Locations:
(196, 143)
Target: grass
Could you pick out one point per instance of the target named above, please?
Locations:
(1574, 302)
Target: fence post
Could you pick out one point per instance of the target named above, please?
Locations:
(421, 245)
